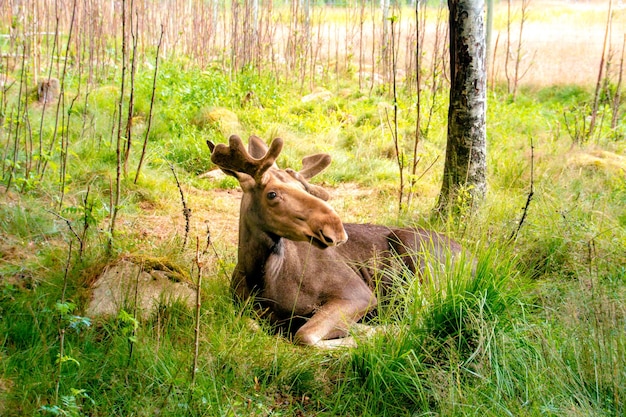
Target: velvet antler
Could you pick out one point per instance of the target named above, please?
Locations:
(235, 158)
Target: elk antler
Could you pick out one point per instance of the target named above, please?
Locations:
(235, 158)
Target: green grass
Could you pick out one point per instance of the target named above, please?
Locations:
(537, 329)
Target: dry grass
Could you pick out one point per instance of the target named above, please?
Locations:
(562, 40)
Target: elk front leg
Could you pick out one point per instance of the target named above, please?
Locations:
(333, 320)
(239, 286)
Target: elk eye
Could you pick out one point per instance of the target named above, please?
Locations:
(271, 195)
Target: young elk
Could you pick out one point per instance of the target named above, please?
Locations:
(305, 268)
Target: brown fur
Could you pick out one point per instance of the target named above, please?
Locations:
(305, 268)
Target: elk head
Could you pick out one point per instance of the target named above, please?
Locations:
(280, 203)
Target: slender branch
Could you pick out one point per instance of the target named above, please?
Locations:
(149, 125)
(508, 47)
(59, 364)
(131, 340)
(22, 93)
(131, 100)
(618, 88)
(596, 95)
(62, 329)
(65, 275)
(427, 169)
(42, 162)
(186, 210)
(199, 265)
(209, 243)
(399, 159)
(418, 105)
(87, 213)
(530, 193)
(69, 225)
(396, 140)
(518, 52)
(118, 147)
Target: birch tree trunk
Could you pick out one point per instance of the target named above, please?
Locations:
(464, 176)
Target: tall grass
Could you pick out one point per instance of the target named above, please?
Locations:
(447, 334)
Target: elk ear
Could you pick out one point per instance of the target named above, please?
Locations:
(314, 164)
(256, 147)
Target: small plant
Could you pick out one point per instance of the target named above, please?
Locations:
(576, 124)
(128, 326)
(67, 320)
(71, 405)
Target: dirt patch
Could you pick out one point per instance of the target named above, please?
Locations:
(154, 281)
(214, 210)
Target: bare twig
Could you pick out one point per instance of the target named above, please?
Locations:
(394, 128)
(149, 125)
(576, 128)
(596, 95)
(65, 275)
(427, 169)
(22, 93)
(618, 88)
(493, 63)
(518, 53)
(131, 100)
(518, 74)
(118, 147)
(399, 157)
(418, 105)
(186, 210)
(61, 328)
(42, 162)
(65, 145)
(69, 225)
(209, 242)
(530, 193)
(199, 265)
(59, 364)
(87, 213)
(131, 340)
(507, 53)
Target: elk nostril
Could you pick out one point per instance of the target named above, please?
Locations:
(327, 239)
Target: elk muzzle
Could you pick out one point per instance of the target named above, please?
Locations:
(330, 232)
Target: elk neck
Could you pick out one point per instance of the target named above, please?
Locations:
(260, 253)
